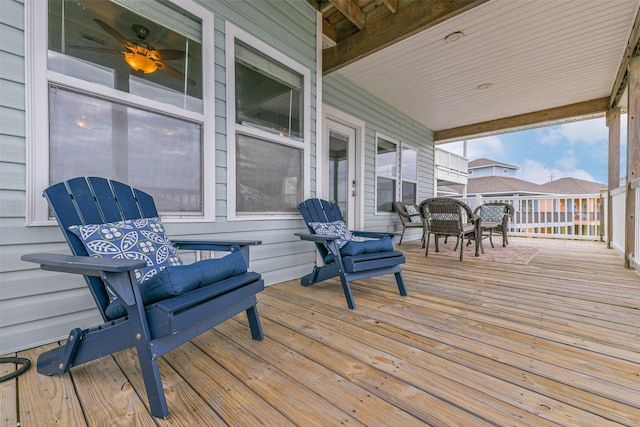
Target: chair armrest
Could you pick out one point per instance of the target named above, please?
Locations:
(328, 240)
(375, 234)
(213, 245)
(90, 266)
(317, 238)
(116, 273)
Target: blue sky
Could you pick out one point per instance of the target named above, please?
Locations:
(575, 149)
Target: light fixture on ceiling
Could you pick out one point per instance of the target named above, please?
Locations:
(140, 62)
(454, 37)
(139, 54)
(484, 86)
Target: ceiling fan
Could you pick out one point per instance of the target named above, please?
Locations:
(140, 55)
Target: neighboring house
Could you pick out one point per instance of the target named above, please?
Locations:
(494, 180)
(486, 167)
(228, 137)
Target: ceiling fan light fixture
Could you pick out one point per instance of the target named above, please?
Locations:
(140, 62)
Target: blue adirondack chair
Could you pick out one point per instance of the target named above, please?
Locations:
(173, 306)
(344, 257)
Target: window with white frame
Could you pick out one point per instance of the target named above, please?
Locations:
(396, 173)
(409, 173)
(268, 119)
(123, 92)
(386, 173)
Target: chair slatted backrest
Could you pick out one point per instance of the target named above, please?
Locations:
(319, 210)
(81, 201)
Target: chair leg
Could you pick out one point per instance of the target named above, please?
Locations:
(152, 381)
(254, 323)
(400, 282)
(426, 244)
(491, 237)
(402, 235)
(347, 292)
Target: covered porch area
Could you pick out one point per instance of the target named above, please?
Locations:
(552, 342)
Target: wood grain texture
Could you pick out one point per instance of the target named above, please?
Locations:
(553, 342)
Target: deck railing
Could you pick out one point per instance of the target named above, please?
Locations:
(451, 167)
(566, 216)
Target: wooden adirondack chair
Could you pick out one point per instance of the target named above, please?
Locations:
(152, 328)
(354, 260)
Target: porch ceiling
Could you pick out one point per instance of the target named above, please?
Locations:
(545, 60)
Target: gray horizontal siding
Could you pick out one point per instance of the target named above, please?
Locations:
(341, 94)
(36, 306)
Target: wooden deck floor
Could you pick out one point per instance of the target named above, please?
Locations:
(555, 342)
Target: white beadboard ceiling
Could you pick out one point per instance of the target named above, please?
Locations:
(537, 54)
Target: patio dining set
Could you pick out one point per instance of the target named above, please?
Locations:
(447, 217)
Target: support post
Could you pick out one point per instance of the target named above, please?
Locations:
(613, 123)
(633, 157)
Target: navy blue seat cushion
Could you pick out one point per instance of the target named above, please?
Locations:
(176, 280)
(352, 248)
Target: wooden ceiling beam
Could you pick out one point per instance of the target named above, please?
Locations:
(537, 118)
(412, 17)
(351, 11)
(392, 5)
(632, 49)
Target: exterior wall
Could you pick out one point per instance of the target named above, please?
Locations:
(339, 93)
(38, 307)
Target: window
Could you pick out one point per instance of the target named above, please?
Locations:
(396, 173)
(268, 100)
(409, 170)
(124, 94)
(386, 174)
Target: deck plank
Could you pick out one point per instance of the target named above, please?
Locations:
(475, 343)
(8, 402)
(47, 401)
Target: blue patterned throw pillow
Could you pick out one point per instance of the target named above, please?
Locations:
(492, 213)
(336, 228)
(142, 239)
(414, 215)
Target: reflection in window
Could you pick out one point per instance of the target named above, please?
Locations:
(161, 155)
(269, 95)
(103, 43)
(269, 176)
(386, 171)
(338, 170)
(409, 170)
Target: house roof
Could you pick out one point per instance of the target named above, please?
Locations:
(573, 186)
(539, 62)
(502, 185)
(483, 162)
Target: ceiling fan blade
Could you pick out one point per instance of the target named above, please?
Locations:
(95, 49)
(170, 53)
(116, 35)
(173, 72)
